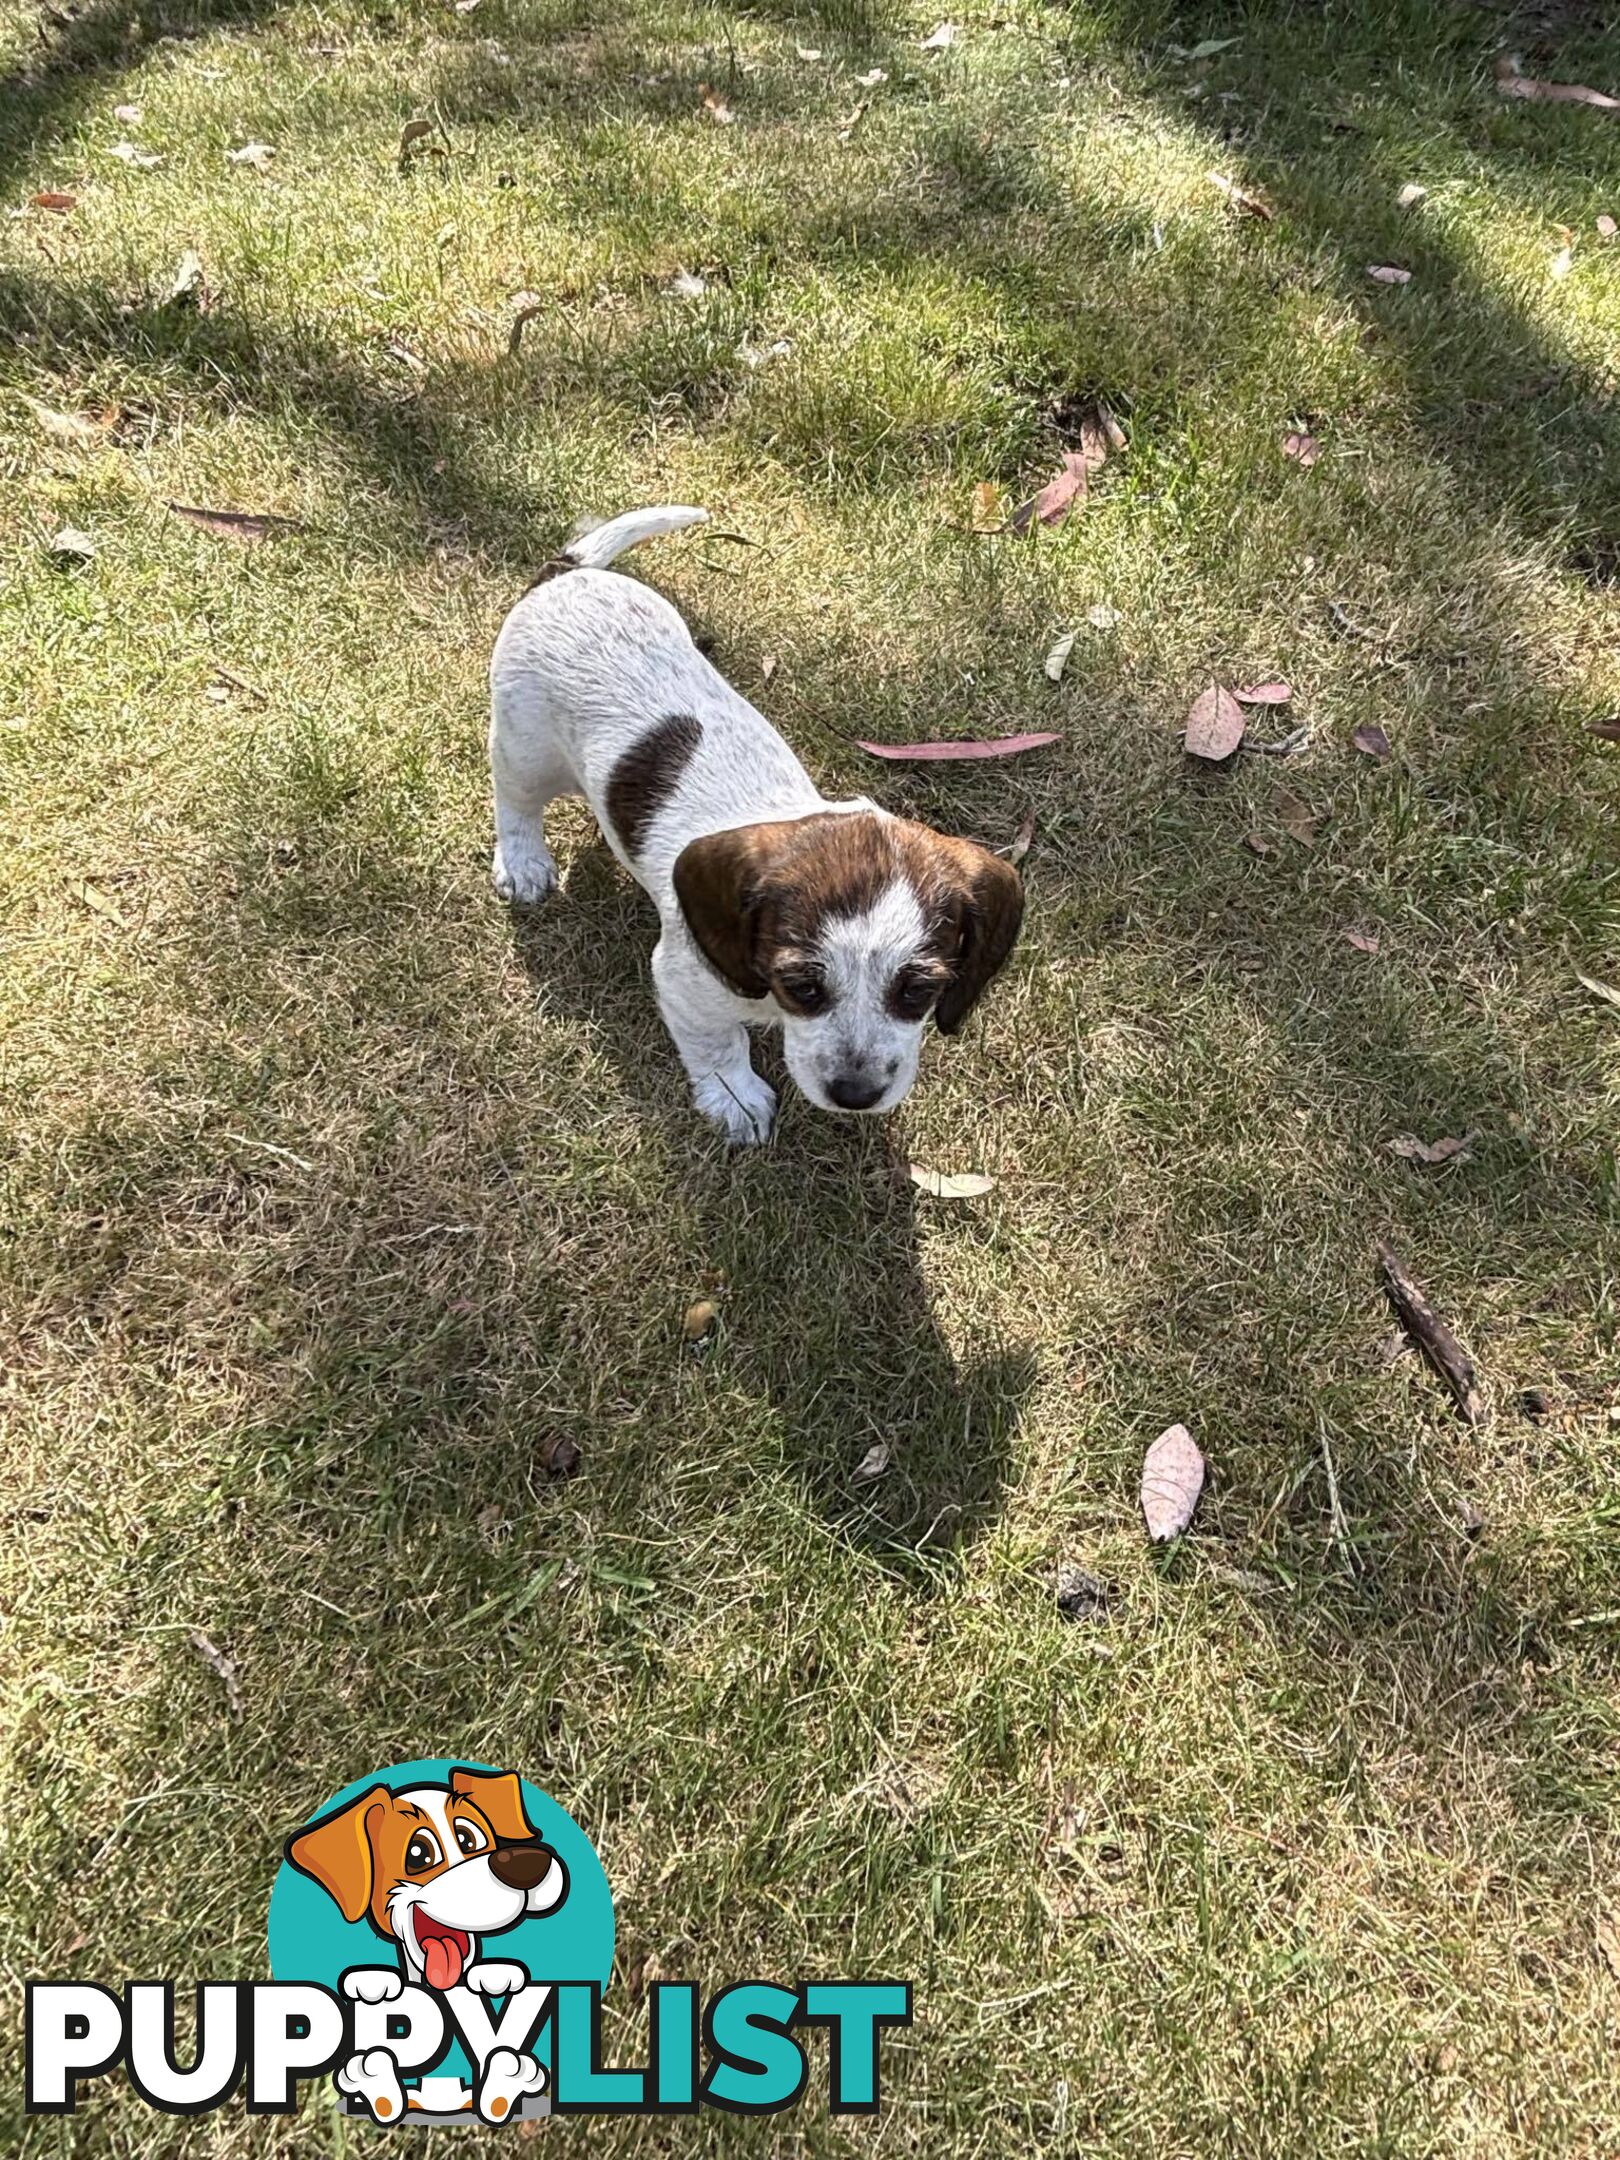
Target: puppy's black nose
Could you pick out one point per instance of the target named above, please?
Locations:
(851, 1091)
(520, 1867)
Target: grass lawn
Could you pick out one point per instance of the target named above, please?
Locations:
(334, 1198)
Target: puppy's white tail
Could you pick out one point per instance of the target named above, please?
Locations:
(596, 549)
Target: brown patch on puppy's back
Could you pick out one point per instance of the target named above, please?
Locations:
(647, 775)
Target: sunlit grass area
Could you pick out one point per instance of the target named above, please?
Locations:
(334, 1197)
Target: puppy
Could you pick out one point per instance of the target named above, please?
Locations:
(844, 926)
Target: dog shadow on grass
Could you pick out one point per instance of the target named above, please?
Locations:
(899, 1443)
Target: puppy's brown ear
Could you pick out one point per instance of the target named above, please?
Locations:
(988, 903)
(718, 882)
(499, 1797)
(337, 1852)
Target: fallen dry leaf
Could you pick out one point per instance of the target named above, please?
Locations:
(127, 154)
(699, 1320)
(952, 1184)
(808, 52)
(256, 154)
(938, 39)
(994, 746)
(1410, 195)
(988, 515)
(1214, 725)
(1057, 498)
(1513, 83)
(716, 107)
(130, 115)
(1303, 448)
(1371, 741)
(1021, 839)
(1411, 1149)
(1605, 730)
(1275, 692)
(1102, 616)
(871, 1465)
(1080, 1594)
(872, 77)
(188, 282)
(559, 1456)
(72, 546)
(100, 903)
(1057, 659)
(1172, 1479)
(413, 135)
(1362, 940)
(1606, 227)
(1606, 1939)
(1257, 843)
(1246, 201)
(1562, 263)
(767, 667)
(223, 1668)
(1609, 994)
(687, 285)
(1388, 274)
(54, 199)
(246, 527)
(1299, 820)
(76, 428)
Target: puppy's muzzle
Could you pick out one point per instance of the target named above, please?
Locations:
(521, 1867)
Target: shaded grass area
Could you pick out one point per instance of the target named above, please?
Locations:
(333, 1197)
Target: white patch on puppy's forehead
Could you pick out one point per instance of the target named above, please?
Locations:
(860, 950)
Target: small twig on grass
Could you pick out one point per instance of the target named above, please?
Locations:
(1336, 1515)
(1289, 745)
(268, 1147)
(223, 1668)
(1432, 1336)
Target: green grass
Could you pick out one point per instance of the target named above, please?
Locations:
(332, 1196)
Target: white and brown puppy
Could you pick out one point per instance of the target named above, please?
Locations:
(836, 921)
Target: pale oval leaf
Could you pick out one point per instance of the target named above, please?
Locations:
(1215, 724)
(1172, 1479)
(1057, 658)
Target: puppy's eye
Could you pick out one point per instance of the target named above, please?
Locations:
(422, 1853)
(805, 993)
(910, 995)
(469, 1837)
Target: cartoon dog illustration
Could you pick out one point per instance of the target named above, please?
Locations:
(434, 1870)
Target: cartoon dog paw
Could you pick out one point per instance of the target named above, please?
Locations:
(374, 2078)
(507, 2077)
(494, 1976)
(373, 1984)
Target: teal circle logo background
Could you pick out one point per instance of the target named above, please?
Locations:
(311, 1940)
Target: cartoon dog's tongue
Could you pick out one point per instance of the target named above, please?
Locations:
(444, 1952)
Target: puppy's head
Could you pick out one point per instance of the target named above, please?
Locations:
(859, 925)
(435, 1867)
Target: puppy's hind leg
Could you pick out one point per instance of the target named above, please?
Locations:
(529, 768)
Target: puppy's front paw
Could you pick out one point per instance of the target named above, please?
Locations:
(494, 1976)
(373, 1984)
(742, 1105)
(523, 874)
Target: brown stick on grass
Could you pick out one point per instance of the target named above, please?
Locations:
(1432, 1336)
